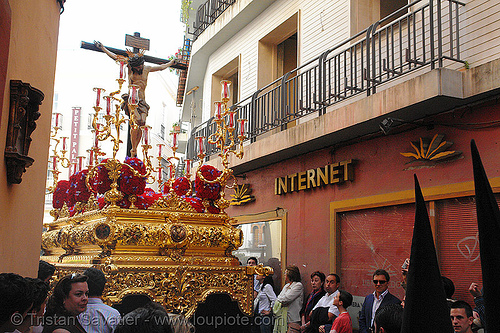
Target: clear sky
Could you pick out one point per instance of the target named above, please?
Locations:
(79, 70)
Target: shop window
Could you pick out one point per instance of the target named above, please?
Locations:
(263, 238)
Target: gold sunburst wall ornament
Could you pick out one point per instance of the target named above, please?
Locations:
(242, 195)
(429, 152)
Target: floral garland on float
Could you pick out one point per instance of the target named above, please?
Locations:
(110, 183)
(150, 231)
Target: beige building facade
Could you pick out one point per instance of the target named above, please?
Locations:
(28, 47)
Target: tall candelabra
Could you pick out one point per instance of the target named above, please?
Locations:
(108, 128)
(111, 130)
(58, 156)
(224, 139)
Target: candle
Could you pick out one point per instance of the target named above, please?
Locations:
(171, 171)
(57, 119)
(242, 127)
(80, 163)
(188, 166)
(218, 110)
(109, 103)
(54, 163)
(122, 64)
(231, 119)
(174, 140)
(64, 143)
(159, 151)
(200, 144)
(98, 99)
(96, 136)
(145, 134)
(133, 94)
(225, 89)
(91, 157)
(159, 175)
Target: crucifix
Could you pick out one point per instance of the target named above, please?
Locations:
(137, 75)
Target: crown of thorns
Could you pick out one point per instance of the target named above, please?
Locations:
(131, 54)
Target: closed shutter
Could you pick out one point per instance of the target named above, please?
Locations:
(458, 244)
(372, 239)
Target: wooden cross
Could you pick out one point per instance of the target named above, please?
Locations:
(137, 42)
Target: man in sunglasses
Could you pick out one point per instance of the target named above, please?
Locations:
(380, 297)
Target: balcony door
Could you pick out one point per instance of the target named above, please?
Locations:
(278, 55)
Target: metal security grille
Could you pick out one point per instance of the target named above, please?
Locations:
(372, 239)
(458, 244)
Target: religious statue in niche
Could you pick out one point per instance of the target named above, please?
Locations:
(138, 75)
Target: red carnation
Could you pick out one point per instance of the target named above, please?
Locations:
(181, 186)
(101, 202)
(128, 182)
(60, 194)
(205, 190)
(123, 203)
(101, 183)
(147, 198)
(72, 211)
(78, 189)
(196, 203)
(166, 187)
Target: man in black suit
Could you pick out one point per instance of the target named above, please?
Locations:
(380, 297)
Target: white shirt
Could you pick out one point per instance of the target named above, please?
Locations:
(291, 296)
(99, 317)
(327, 302)
(377, 302)
(266, 297)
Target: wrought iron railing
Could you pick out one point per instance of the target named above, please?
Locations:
(207, 13)
(415, 39)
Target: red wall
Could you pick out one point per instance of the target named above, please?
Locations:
(380, 170)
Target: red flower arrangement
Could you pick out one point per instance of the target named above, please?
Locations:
(123, 203)
(101, 182)
(128, 182)
(60, 194)
(147, 198)
(212, 209)
(101, 202)
(196, 203)
(166, 188)
(78, 190)
(181, 186)
(206, 190)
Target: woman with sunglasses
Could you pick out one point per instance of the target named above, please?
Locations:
(69, 298)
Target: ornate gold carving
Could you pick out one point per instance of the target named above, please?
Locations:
(173, 202)
(428, 151)
(179, 288)
(242, 195)
(174, 256)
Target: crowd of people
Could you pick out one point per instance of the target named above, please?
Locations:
(324, 310)
(75, 305)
